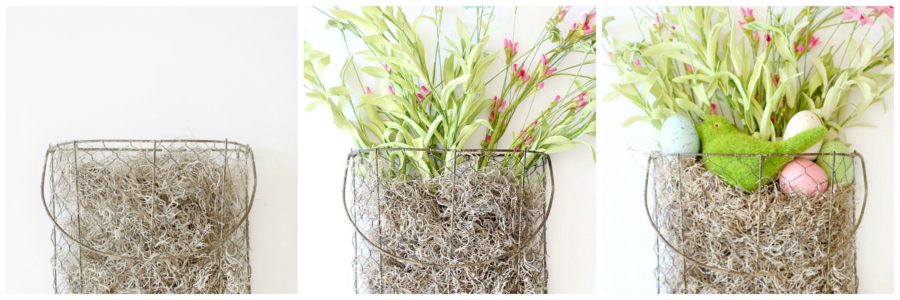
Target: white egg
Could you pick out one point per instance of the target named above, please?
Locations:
(801, 122)
(678, 135)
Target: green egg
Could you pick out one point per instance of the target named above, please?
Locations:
(839, 168)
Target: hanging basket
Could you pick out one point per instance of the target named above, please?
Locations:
(713, 237)
(149, 216)
(449, 221)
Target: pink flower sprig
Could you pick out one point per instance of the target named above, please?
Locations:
(582, 100)
(424, 93)
(548, 70)
(882, 10)
(511, 48)
(563, 11)
(746, 16)
(520, 73)
(851, 13)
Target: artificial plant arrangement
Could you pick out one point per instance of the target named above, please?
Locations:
(419, 105)
(771, 78)
(416, 104)
(757, 96)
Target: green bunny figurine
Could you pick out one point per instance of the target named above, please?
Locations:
(719, 136)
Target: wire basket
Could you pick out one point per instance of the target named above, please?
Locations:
(713, 237)
(149, 216)
(449, 221)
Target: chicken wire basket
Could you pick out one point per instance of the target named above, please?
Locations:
(476, 225)
(149, 216)
(713, 237)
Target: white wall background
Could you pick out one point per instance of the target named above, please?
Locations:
(212, 73)
(326, 248)
(627, 258)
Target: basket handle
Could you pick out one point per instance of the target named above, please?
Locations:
(517, 250)
(696, 262)
(209, 248)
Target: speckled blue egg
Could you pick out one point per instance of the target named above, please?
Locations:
(678, 135)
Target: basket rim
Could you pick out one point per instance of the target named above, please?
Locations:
(244, 219)
(702, 154)
(355, 152)
(74, 143)
(515, 251)
(842, 243)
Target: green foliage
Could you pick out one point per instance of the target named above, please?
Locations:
(441, 105)
(758, 73)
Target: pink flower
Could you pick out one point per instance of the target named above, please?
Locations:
(813, 41)
(563, 10)
(747, 14)
(510, 47)
(541, 85)
(368, 90)
(712, 107)
(391, 89)
(588, 18)
(582, 104)
(688, 68)
(879, 10)
(575, 26)
(387, 68)
(544, 59)
(496, 101)
(527, 78)
(420, 96)
(865, 20)
(800, 48)
(502, 105)
(487, 139)
(637, 62)
(550, 71)
(768, 38)
(851, 13)
(556, 100)
(581, 96)
(425, 90)
(658, 21)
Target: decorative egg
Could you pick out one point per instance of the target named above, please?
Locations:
(678, 135)
(802, 176)
(801, 122)
(839, 168)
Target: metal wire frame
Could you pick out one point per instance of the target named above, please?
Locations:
(509, 254)
(842, 244)
(224, 146)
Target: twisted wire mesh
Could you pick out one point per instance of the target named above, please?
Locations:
(149, 216)
(475, 227)
(717, 238)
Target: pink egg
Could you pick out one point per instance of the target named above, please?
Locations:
(803, 176)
